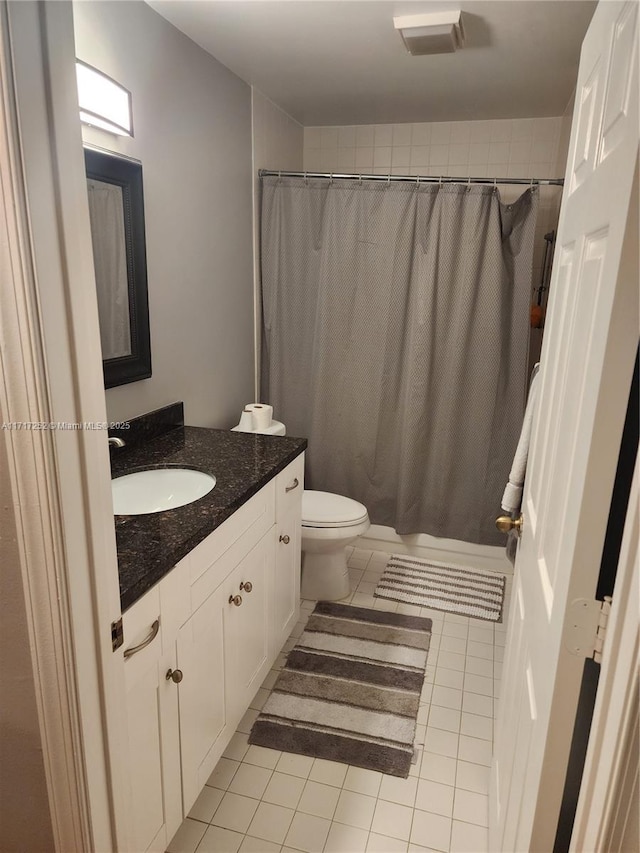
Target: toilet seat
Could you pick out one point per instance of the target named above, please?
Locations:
(326, 510)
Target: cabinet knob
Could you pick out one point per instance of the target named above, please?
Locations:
(175, 675)
(235, 599)
(247, 586)
(285, 539)
(293, 485)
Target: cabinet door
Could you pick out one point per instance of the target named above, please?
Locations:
(285, 609)
(152, 716)
(202, 699)
(246, 626)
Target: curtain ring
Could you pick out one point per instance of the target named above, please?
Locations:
(389, 179)
(306, 179)
(330, 178)
(440, 181)
(417, 180)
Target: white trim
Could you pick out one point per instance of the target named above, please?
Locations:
(61, 478)
(450, 551)
(615, 713)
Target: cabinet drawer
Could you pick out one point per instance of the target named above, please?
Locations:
(289, 486)
(212, 560)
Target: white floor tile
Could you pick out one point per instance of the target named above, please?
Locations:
(261, 756)
(206, 804)
(392, 819)
(395, 790)
(444, 718)
(438, 768)
(307, 833)
(384, 844)
(451, 660)
(223, 773)
(319, 800)
(478, 684)
(219, 840)
(446, 697)
(235, 813)
(362, 781)
(435, 797)
(449, 677)
(247, 721)
(258, 845)
(346, 839)
(474, 750)
(441, 742)
(455, 629)
(475, 725)
(271, 822)
(473, 703)
(188, 836)
(328, 772)
(284, 790)
(295, 765)
(471, 807)
(480, 666)
(237, 748)
(431, 830)
(480, 634)
(472, 777)
(355, 809)
(480, 650)
(250, 781)
(453, 644)
(467, 838)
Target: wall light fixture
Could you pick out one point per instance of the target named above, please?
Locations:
(103, 102)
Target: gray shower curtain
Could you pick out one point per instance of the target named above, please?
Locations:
(395, 335)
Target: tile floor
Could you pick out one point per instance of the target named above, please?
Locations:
(259, 800)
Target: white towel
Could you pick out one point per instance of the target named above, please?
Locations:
(512, 497)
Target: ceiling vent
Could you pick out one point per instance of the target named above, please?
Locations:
(433, 32)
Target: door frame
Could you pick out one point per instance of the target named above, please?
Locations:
(59, 478)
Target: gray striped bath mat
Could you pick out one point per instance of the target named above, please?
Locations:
(350, 689)
(469, 592)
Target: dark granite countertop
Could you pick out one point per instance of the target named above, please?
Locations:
(149, 546)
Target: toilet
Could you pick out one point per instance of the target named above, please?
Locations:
(329, 523)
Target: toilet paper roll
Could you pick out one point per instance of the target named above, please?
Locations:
(262, 415)
(246, 421)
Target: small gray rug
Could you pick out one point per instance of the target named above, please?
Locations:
(350, 689)
(469, 592)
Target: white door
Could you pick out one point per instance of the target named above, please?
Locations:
(586, 367)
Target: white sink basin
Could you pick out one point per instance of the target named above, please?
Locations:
(159, 489)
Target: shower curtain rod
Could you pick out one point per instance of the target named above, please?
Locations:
(416, 179)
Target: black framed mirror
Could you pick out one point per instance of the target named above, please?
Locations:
(116, 210)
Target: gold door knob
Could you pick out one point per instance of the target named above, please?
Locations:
(175, 675)
(285, 539)
(247, 586)
(505, 524)
(235, 599)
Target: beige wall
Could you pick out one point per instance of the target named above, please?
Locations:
(192, 122)
(278, 143)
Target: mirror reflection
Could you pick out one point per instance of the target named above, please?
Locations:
(116, 212)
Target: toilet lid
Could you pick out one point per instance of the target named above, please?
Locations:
(324, 509)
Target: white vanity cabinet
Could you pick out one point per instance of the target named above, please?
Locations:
(223, 614)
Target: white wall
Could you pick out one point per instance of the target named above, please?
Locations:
(510, 148)
(277, 144)
(192, 122)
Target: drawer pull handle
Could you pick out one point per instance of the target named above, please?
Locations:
(285, 539)
(175, 675)
(247, 586)
(235, 599)
(293, 485)
(152, 635)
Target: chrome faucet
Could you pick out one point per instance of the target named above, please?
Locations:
(114, 441)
